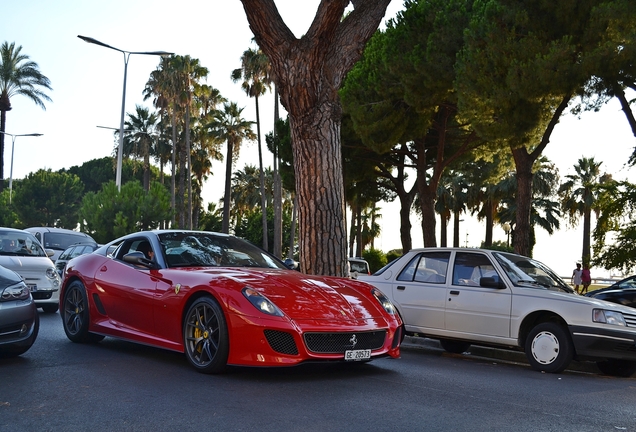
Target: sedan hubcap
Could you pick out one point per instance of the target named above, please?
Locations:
(545, 348)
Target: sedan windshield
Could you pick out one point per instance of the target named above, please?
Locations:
(16, 243)
(526, 272)
(196, 249)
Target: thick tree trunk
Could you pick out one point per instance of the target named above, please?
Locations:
(320, 190)
(308, 73)
(523, 165)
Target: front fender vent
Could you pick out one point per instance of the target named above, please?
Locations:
(281, 342)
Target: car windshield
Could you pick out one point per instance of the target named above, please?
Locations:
(16, 243)
(189, 249)
(61, 241)
(526, 272)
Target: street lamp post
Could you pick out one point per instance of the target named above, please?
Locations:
(126, 54)
(13, 137)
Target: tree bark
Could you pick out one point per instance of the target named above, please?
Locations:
(308, 73)
(225, 225)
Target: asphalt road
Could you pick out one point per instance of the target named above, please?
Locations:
(119, 386)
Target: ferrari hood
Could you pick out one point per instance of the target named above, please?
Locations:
(301, 296)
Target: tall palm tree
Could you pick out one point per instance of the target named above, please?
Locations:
(579, 197)
(18, 76)
(188, 71)
(140, 133)
(229, 126)
(162, 87)
(255, 73)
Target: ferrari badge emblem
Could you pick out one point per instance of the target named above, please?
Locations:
(177, 287)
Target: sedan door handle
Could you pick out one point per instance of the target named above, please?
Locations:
(454, 292)
(401, 287)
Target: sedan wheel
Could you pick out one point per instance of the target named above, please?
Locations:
(548, 348)
(75, 316)
(205, 336)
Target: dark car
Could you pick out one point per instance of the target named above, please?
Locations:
(19, 319)
(72, 252)
(622, 292)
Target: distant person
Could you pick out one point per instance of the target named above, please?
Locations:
(576, 277)
(586, 278)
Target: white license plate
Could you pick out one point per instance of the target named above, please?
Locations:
(357, 355)
(32, 287)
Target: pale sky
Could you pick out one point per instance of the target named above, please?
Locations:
(87, 83)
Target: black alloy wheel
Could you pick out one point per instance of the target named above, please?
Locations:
(205, 336)
(75, 315)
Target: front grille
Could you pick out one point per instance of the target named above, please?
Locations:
(281, 342)
(625, 347)
(12, 332)
(41, 295)
(336, 343)
(630, 320)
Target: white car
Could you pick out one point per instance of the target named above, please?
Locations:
(59, 239)
(22, 253)
(474, 296)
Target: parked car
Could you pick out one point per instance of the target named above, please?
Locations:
(58, 239)
(472, 296)
(19, 319)
(72, 252)
(358, 266)
(22, 253)
(622, 292)
(222, 301)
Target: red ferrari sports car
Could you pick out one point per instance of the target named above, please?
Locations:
(222, 301)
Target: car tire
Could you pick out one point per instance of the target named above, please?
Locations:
(50, 308)
(618, 368)
(20, 348)
(454, 346)
(549, 348)
(75, 315)
(205, 336)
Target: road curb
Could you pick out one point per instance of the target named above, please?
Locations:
(490, 353)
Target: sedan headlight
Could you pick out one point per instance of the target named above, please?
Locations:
(261, 302)
(15, 292)
(608, 317)
(384, 301)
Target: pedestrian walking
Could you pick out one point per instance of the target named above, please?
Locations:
(576, 277)
(586, 278)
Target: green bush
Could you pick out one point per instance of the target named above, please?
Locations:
(375, 258)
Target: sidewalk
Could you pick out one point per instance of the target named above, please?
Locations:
(487, 353)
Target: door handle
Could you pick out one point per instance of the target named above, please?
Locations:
(401, 287)
(454, 292)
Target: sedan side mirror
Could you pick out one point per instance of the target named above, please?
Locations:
(491, 282)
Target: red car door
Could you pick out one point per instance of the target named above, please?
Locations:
(128, 296)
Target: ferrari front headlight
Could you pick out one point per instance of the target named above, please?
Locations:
(608, 317)
(261, 302)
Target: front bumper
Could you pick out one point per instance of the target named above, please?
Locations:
(604, 343)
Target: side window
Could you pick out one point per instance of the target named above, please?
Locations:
(77, 251)
(469, 268)
(428, 267)
(67, 255)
